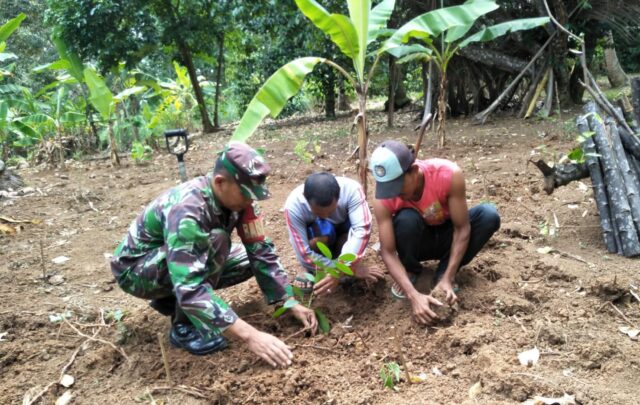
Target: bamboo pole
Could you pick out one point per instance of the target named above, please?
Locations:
(599, 190)
(628, 175)
(620, 209)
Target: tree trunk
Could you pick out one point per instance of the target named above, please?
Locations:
(329, 85)
(442, 109)
(362, 141)
(635, 97)
(576, 90)
(92, 124)
(115, 160)
(187, 59)
(392, 90)
(558, 52)
(599, 189)
(343, 103)
(621, 211)
(616, 75)
(219, 70)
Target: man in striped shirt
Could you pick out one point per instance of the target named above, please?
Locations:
(332, 210)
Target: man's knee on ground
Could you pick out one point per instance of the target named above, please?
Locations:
(489, 217)
(406, 223)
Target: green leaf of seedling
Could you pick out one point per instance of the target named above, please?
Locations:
(320, 274)
(347, 257)
(333, 273)
(576, 155)
(344, 268)
(324, 250)
(323, 322)
(290, 290)
(297, 291)
(290, 303)
(310, 277)
(279, 312)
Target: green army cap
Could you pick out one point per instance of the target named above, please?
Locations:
(248, 167)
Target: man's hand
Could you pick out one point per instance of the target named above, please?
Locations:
(271, 349)
(326, 286)
(368, 274)
(421, 310)
(447, 286)
(306, 316)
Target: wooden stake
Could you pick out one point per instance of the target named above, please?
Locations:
(401, 355)
(164, 359)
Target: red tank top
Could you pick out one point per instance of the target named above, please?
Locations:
(433, 206)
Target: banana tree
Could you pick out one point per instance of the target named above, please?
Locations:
(352, 35)
(448, 27)
(55, 119)
(105, 103)
(6, 30)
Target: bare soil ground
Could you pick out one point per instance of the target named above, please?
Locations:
(513, 297)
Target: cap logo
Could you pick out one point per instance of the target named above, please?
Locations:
(380, 170)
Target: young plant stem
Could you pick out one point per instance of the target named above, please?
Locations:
(401, 355)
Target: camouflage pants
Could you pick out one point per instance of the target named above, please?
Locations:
(149, 277)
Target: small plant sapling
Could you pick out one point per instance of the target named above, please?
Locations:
(334, 268)
(390, 374)
(141, 153)
(116, 316)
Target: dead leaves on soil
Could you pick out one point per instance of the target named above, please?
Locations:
(11, 226)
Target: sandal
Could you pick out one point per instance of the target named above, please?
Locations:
(396, 291)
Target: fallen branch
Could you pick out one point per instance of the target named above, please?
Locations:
(92, 338)
(301, 331)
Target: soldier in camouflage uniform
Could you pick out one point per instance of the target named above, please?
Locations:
(178, 251)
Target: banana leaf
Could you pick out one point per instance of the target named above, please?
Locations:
(495, 31)
(378, 19)
(434, 23)
(7, 28)
(274, 94)
(337, 26)
(101, 97)
(359, 11)
(76, 67)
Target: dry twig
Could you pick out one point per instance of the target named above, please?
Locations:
(622, 315)
(106, 342)
(164, 358)
(194, 392)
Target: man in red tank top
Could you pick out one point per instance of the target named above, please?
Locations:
(422, 214)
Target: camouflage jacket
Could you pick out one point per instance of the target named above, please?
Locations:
(195, 229)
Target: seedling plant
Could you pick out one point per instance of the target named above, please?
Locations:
(390, 374)
(335, 268)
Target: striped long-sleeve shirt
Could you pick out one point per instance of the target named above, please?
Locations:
(352, 205)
